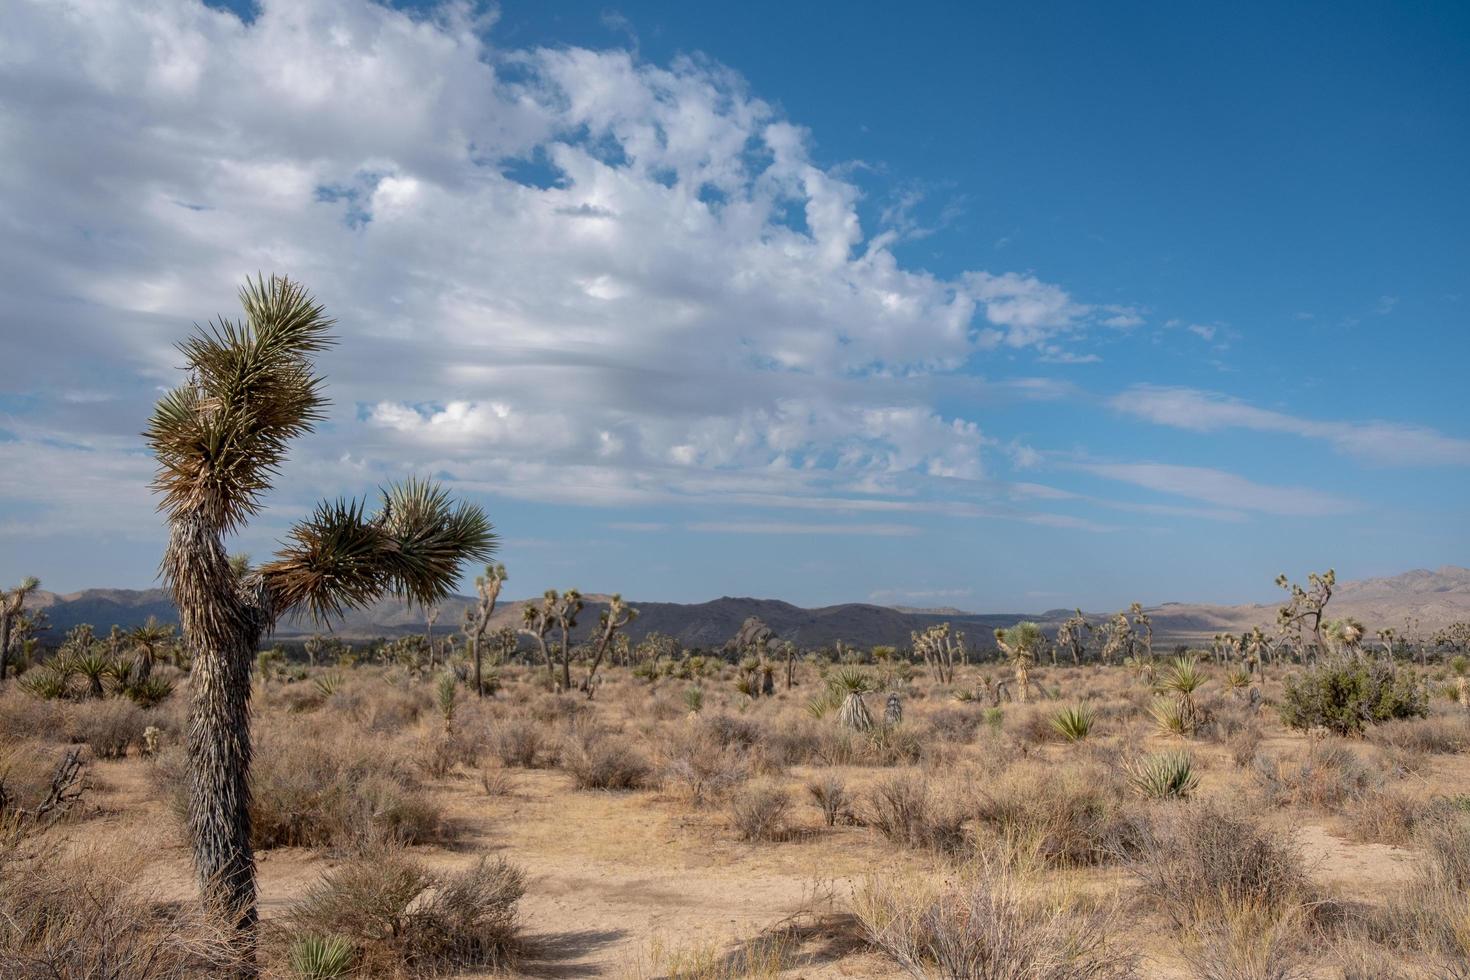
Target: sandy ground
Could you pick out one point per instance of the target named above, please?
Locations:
(610, 874)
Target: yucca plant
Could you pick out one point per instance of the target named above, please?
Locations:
(1237, 678)
(219, 440)
(47, 683)
(321, 957)
(694, 699)
(851, 684)
(1169, 717)
(93, 666)
(747, 685)
(327, 684)
(1164, 776)
(448, 693)
(821, 705)
(1075, 723)
(149, 692)
(1183, 678)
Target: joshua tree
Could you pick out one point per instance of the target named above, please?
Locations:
(148, 639)
(1345, 635)
(536, 622)
(1455, 638)
(12, 603)
(1143, 628)
(1118, 638)
(431, 616)
(1019, 644)
(939, 648)
(1305, 608)
(477, 617)
(789, 649)
(1072, 635)
(219, 439)
(617, 615)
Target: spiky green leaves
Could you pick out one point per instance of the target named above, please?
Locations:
(252, 389)
(414, 546)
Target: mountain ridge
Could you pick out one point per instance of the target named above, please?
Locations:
(1428, 600)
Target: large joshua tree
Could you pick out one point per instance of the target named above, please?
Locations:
(477, 617)
(219, 439)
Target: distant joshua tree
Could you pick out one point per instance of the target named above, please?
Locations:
(12, 602)
(1306, 607)
(220, 439)
(939, 647)
(1020, 644)
(477, 617)
(617, 615)
(149, 639)
(1072, 635)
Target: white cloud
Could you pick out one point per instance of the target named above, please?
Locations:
(1225, 490)
(1381, 443)
(787, 527)
(557, 272)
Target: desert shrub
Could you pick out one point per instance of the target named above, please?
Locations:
(108, 727)
(40, 786)
(74, 915)
(1164, 776)
(703, 770)
(909, 810)
(1432, 914)
(758, 812)
(1243, 745)
(400, 918)
(1345, 695)
(728, 730)
(1431, 736)
(1248, 942)
(955, 724)
(388, 709)
(560, 709)
(1052, 818)
(791, 742)
(22, 716)
(1028, 725)
(441, 751)
(519, 743)
(985, 927)
(313, 788)
(1322, 778)
(1201, 859)
(830, 795)
(1382, 817)
(892, 745)
(497, 781)
(597, 760)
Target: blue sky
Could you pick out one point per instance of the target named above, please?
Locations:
(1004, 308)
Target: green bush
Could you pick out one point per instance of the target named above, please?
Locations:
(1346, 695)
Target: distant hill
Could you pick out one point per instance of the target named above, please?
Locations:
(1428, 600)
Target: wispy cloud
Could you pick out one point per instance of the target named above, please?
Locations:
(1381, 443)
(785, 527)
(1226, 490)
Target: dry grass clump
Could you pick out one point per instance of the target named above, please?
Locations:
(1438, 735)
(763, 958)
(957, 725)
(830, 795)
(401, 919)
(1054, 818)
(108, 727)
(64, 916)
(1249, 942)
(1244, 744)
(443, 751)
(987, 926)
(1383, 817)
(520, 743)
(916, 812)
(1432, 914)
(1199, 860)
(1325, 777)
(599, 760)
(313, 786)
(23, 716)
(703, 770)
(759, 812)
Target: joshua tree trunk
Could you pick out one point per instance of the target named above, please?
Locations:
(223, 629)
(4, 642)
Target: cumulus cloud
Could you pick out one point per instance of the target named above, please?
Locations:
(1380, 443)
(559, 273)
